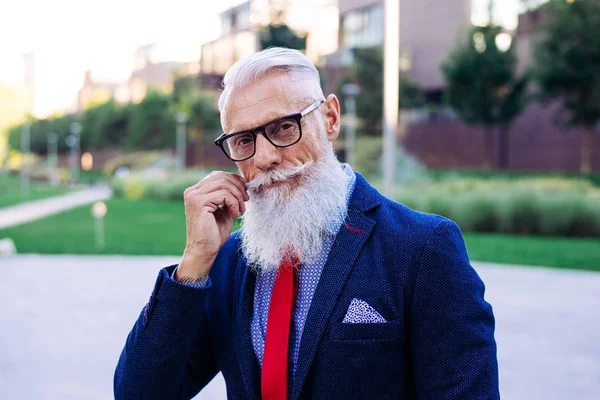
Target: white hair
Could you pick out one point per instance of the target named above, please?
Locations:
(258, 65)
(281, 222)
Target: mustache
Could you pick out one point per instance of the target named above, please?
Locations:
(275, 175)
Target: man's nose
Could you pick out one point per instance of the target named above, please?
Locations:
(266, 155)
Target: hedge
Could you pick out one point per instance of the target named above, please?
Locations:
(166, 187)
(551, 207)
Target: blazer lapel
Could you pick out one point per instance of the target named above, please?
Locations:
(352, 236)
(244, 292)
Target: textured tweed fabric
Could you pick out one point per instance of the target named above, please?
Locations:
(412, 268)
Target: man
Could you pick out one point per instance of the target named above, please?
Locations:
(330, 290)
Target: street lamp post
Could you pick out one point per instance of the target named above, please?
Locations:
(350, 91)
(52, 139)
(87, 163)
(181, 119)
(98, 212)
(391, 85)
(73, 141)
(26, 168)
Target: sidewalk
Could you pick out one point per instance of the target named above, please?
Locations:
(33, 210)
(67, 326)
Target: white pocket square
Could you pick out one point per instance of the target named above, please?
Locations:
(360, 312)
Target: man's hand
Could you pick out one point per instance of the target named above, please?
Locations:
(210, 206)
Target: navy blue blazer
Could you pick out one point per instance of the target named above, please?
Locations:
(411, 267)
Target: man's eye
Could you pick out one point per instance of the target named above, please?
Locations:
(285, 126)
(243, 141)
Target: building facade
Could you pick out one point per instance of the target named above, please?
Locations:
(240, 26)
(146, 75)
(157, 76)
(428, 32)
(149, 74)
(96, 92)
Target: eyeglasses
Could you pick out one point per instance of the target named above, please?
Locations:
(281, 132)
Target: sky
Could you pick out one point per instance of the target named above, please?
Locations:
(505, 12)
(69, 37)
(72, 36)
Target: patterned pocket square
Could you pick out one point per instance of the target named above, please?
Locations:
(360, 312)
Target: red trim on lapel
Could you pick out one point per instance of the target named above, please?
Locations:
(353, 229)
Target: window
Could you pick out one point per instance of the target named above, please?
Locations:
(225, 24)
(364, 27)
(243, 19)
(234, 21)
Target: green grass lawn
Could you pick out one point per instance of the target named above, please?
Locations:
(526, 250)
(146, 227)
(91, 176)
(151, 227)
(10, 190)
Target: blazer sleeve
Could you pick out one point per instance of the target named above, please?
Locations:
(451, 325)
(168, 353)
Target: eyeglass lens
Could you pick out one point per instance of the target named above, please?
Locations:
(281, 133)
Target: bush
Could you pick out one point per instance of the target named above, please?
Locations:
(367, 155)
(168, 187)
(552, 207)
(368, 160)
(44, 174)
(549, 207)
(135, 161)
(477, 212)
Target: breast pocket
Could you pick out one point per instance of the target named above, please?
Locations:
(368, 358)
(390, 330)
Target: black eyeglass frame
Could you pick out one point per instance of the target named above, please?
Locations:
(262, 129)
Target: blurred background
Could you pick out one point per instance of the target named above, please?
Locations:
(108, 113)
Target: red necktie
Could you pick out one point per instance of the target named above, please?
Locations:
(275, 360)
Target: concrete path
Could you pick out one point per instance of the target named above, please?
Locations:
(548, 331)
(33, 210)
(64, 320)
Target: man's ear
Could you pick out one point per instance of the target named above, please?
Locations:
(332, 117)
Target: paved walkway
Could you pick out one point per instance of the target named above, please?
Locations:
(64, 321)
(33, 210)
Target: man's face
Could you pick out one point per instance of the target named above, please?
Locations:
(274, 96)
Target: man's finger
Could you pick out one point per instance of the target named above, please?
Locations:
(214, 176)
(222, 184)
(220, 198)
(239, 182)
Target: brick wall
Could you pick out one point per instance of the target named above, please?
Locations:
(535, 143)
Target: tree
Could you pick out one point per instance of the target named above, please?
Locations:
(152, 124)
(280, 35)
(185, 87)
(147, 125)
(103, 125)
(14, 104)
(116, 128)
(204, 118)
(567, 66)
(39, 130)
(367, 72)
(482, 85)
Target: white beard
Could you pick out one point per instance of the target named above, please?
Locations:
(282, 222)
